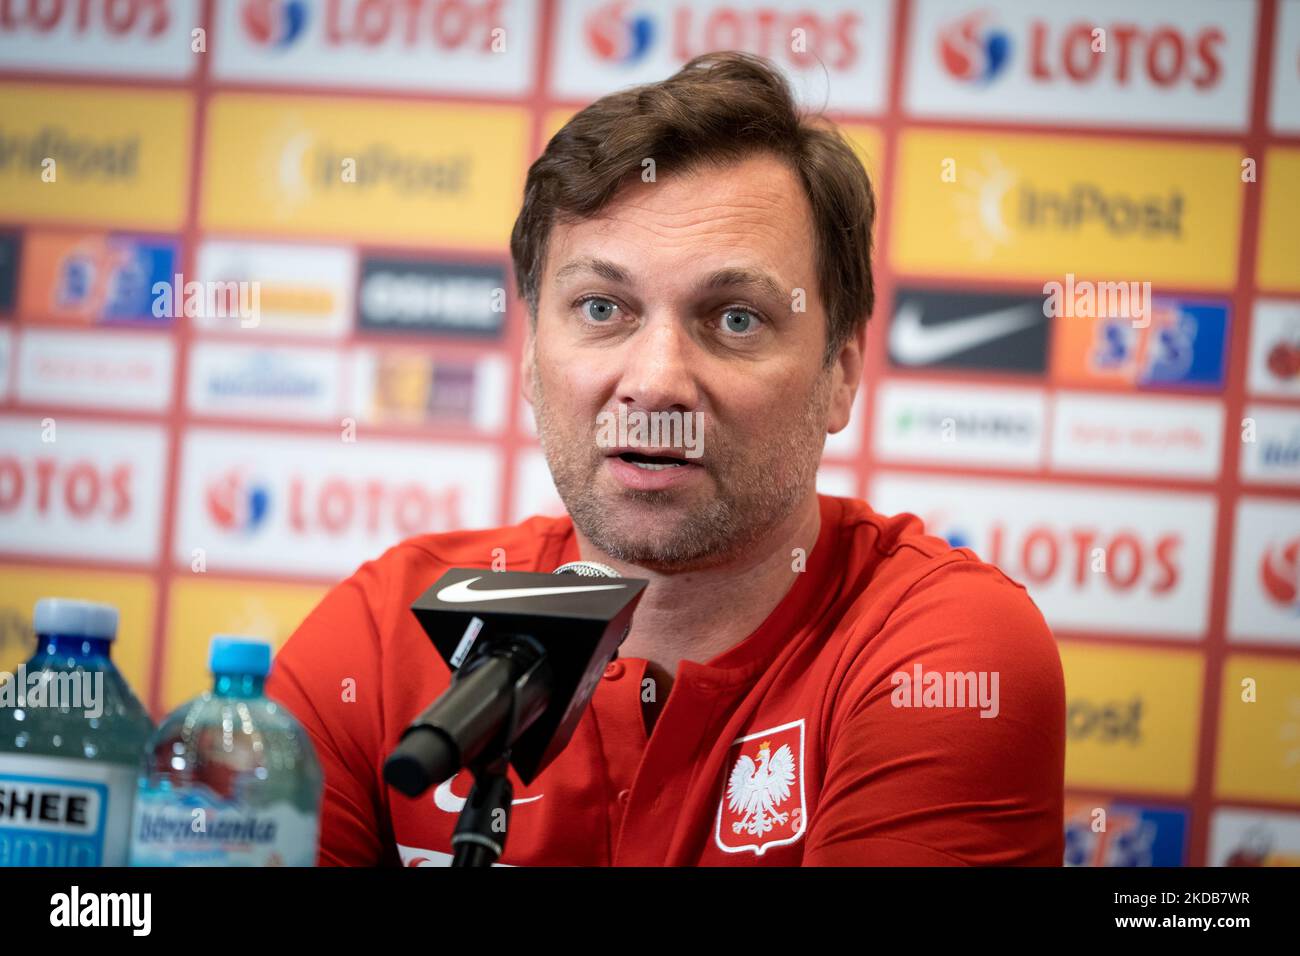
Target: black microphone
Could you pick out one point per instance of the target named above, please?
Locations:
(530, 651)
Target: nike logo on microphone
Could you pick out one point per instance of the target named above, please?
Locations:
(462, 593)
(912, 343)
(445, 799)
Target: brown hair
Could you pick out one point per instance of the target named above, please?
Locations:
(719, 108)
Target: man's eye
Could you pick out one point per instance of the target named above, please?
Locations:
(598, 309)
(739, 321)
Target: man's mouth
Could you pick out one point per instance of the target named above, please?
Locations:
(653, 462)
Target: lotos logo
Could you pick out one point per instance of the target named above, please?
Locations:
(274, 23)
(617, 36)
(236, 504)
(973, 51)
(1280, 573)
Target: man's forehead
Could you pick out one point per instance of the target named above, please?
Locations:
(748, 216)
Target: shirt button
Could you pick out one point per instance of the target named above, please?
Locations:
(614, 670)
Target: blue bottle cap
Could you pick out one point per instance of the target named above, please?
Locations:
(75, 618)
(239, 655)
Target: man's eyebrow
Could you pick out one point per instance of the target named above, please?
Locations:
(745, 278)
(601, 267)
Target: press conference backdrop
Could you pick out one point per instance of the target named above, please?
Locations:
(353, 167)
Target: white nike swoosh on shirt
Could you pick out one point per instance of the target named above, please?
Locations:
(444, 799)
(912, 343)
(462, 593)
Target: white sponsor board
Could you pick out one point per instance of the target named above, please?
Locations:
(429, 389)
(301, 289)
(6, 349)
(1137, 435)
(146, 38)
(534, 491)
(435, 46)
(1284, 97)
(1270, 450)
(322, 505)
(1264, 599)
(1254, 838)
(936, 422)
(116, 370)
(1123, 562)
(1162, 63)
(302, 383)
(76, 489)
(1273, 367)
(836, 53)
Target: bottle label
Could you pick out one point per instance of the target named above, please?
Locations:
(193, 827)
(56, 811)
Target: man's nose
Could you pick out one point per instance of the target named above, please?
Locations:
(660, 367)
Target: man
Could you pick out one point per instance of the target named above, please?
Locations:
(805, 681)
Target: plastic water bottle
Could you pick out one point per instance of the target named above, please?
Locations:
(231, 779)
(72, 739)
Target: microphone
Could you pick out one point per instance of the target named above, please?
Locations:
(530, 651)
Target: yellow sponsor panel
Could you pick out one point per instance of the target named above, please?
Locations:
(119, 157)
(369, 169)
(1278, 260)
(1131, 718)
(132, 594)
(1259, 730)
(202, 607)
(1033, 208)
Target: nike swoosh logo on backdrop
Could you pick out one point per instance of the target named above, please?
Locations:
(912, 343)
(462, 593)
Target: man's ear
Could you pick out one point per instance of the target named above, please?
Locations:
(527, 360)
(847, 376)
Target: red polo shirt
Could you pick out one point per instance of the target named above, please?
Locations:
(847, 729)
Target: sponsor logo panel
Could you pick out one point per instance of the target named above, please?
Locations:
(1137, 436)
(407, 388)
(1284, 99)
(409, 172)
(1279, 227)
(149, 38)
(321, 506)
(119, 156)
(425, 297)
(253, 381)
(1129, 834)
(200, 606)
(1264, 601)
(1259, 730)
(1163, 64)
(1000, 427)
(535, 492)
(1025, 207)
(971, 331)
(837, 481)
(1254, 838)
(132, 594)
(302, 289)
(6, 346)
(96, 370)
(1132, 718)
(461, 46)
(86, 491)
(1126, 562)
(1274, 365)
(835, 53)
(843, 444)
(1184, 346)
(1272, 456)
(10, 255)
(95, 278)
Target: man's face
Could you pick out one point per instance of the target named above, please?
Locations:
(683, 296)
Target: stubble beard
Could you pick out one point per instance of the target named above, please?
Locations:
(749, 491)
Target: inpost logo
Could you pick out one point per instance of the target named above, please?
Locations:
(95, 156)
(1025, 207)
(438, 173)
(1131, 718)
